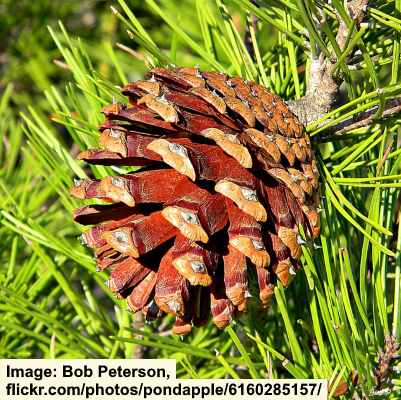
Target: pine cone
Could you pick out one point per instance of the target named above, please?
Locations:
(228, 176)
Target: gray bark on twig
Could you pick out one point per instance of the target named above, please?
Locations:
(322, 87)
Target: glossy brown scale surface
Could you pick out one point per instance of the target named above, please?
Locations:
(229, 177)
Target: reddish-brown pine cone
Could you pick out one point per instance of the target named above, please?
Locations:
(228, 177)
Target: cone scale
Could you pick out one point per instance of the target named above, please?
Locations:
(229, 177)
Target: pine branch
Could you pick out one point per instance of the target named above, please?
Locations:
(386, 358)
(369, 117)
(323, 86)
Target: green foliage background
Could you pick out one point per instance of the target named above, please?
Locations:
(333, 319)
